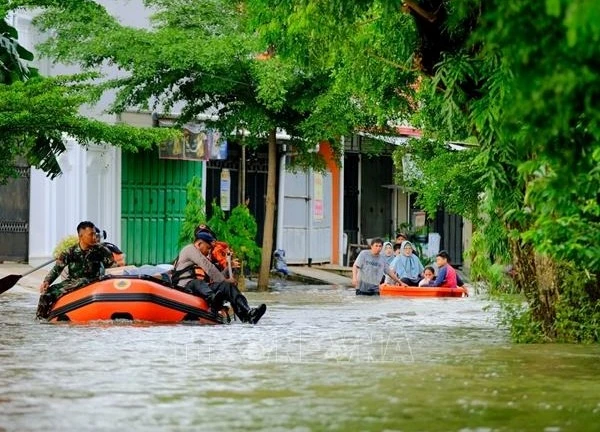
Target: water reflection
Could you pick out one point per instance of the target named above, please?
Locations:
(320, 359)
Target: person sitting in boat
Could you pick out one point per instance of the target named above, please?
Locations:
(428, 276)
(85, 261)
(220, 253)
(401, 238)
(447, 276)
(369, 268)
(407, 265)
(195, 273)
(389, 254)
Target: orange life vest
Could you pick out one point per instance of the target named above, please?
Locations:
(199, 273)
(219, 253)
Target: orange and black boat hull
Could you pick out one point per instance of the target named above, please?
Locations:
(136, 298)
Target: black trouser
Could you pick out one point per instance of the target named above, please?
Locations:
(411, 282)
(367, 289)
(229, 292)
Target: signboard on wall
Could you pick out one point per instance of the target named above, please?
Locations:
(196, 143)
(225, 189)
(318, 198)
(420, 219)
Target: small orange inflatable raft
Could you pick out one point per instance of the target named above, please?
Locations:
(397, 290)
(136, 298)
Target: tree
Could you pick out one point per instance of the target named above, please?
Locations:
(514, 78)
(13, 56)
(202, 56)
(37, 114)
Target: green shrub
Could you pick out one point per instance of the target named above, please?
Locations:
(516, 315)
(238, 230)
(64, 244)
(194, 213)
(578, 312)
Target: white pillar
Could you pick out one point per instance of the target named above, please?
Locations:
(280, 202)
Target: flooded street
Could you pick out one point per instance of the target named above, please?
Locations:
(320, 359)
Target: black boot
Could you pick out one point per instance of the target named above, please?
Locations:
(45, 305)
(241, 308)
(216, 301)
(256, 313)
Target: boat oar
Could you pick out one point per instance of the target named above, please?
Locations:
(229, 264)
(7, 282)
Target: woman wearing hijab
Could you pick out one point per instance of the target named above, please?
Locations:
(407, 265)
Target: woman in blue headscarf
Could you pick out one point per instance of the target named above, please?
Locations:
(407, 265)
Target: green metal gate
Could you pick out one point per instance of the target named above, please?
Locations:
(153, 196)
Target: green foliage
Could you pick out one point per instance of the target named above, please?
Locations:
(218, 223)
(551, 121)
(38, 114)
(517, 316)
(516, 80)
(577, 311)
(578, 308)
(193, 213)
(238, 230)
(13, 56)
(199, 55)
(442, 177)
(243, 229)
(64, 244)
(482, 268)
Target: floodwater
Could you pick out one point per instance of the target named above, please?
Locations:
(320, 359)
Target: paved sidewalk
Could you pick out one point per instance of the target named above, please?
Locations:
(328, 277)
(31, 281)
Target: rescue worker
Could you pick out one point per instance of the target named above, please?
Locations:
(195, 273)
(85, 261)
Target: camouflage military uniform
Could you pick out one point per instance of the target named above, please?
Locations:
(84, 266)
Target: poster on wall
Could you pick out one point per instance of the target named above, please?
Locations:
(195, 143)
(420, 219)
(318, 198)
(225, 189)
(217, 145)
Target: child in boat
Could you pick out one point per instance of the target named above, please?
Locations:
(447, 276)
(428, 276)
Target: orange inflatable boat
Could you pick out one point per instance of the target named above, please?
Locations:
(404, 291)
(136, 298)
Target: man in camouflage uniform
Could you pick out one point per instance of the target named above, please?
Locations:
(86, 261)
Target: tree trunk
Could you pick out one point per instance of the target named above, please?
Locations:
(538, 278)
(267, 245)
(548, 279)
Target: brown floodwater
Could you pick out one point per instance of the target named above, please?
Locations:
(320, 359)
